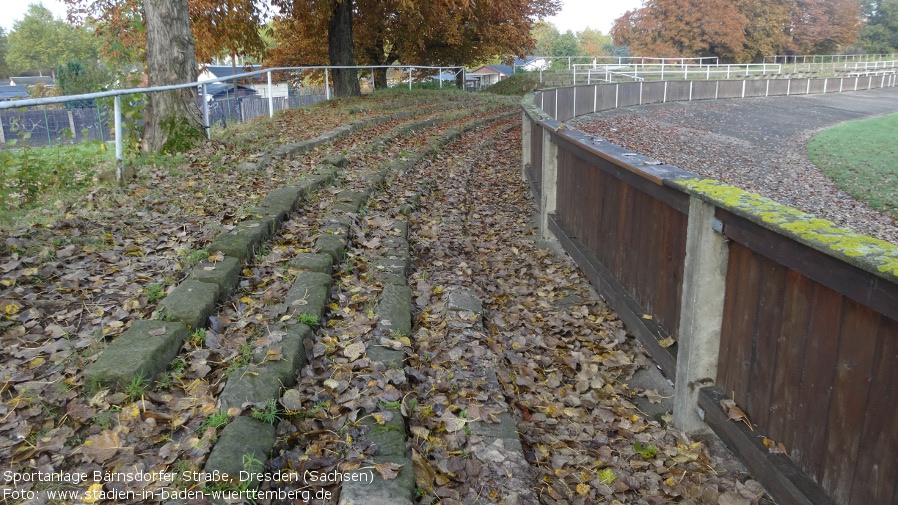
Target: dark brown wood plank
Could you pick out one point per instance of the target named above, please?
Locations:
(876, 471)
(667, 283)
(853, 374)
(817, 374)
(726, 367)
(638, 255)
(622, 237)
(790, 358)
(779, 475)
(611, 192)
(746, 293)
(853, 282)
(764, 349)
(647, 178)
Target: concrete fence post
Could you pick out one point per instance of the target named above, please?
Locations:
(701, 314)
(549, 183)
(526, 139)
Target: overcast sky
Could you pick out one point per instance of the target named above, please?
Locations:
(575, 15)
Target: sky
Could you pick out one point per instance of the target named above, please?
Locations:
(575, 15)
(14, 10)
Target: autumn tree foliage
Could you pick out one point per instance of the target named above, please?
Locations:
(425, 32)
(741, 30)
(219, 27)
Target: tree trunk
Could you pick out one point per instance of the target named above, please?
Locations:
(341, 49)
(174, 122)
(380, 78)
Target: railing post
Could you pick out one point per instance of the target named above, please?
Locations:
(119, 151)
(270, 96)
(409, 78)
(701, 313)
(548, 182)
(526, 148)
(327, 85)
(206, 126)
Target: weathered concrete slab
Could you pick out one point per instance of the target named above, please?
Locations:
(314, 262)
(280, 202)
(252, 384)
(463, 300)
(191, 303)
(242, 242)
(398, 491)
(243, 436)
(389, 437)
(309, 294)
(394, 309)
(288, 355)
(333, 245)
(335, 160)
(145, 351)
(391, 358)
(225, 274)
(354, 198)
(395, 265)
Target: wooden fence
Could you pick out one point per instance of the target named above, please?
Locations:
(793, 318)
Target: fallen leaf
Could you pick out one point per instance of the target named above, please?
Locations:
(388, 470)
(354, 350)
(424, 473)
(102, 447)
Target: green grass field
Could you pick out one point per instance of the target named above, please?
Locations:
(862, 158)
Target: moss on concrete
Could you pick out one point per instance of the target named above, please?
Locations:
(868, 253)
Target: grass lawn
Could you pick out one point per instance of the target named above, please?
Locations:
(862, 158)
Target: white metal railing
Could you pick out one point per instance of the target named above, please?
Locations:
(620, 60)
(640, 72)
(203, 86)
(825, 58)
(871, 65)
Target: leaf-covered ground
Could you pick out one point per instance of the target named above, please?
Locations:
(562, 358)
(757, 144)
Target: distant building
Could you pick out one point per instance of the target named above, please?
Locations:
(259, 82)
(32, 81)
(487, 75)
(12, 93)
(531, 63)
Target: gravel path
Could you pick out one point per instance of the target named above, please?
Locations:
(757, 144)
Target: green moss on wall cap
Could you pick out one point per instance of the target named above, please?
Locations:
(873, 255)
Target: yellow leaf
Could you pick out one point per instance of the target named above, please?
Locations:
(607, 476)
(667, 342)
(646, 316)
(583, 489)
(130, 412)
(92, 495)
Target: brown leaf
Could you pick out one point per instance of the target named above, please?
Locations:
(388, 470)
(354, 350)
(424, 473)
(102, 447)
